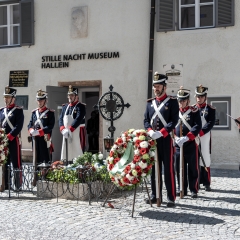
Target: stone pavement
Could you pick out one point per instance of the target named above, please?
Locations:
(213, 215)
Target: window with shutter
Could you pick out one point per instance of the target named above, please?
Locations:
(224, 13)
(16, 23)
(194, 14)
(165, 15)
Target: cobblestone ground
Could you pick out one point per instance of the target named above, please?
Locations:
(213, 215)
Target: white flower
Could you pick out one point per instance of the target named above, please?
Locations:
(152, 153)
(124, 139)
(104, 162)
(129, 177)
(135, 139)
(144, 174)
(123, 135)
(144, 144)
(110, 159)
(74, 160)
(133, 165)
(134, 172)
(1, 147)
(100, 156)
(123, 174)
(97, 165)
(94, 156)
(136, 152)
(2, 157)
(142, 165)
(114, 147)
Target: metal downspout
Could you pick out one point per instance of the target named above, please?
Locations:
(151, 49)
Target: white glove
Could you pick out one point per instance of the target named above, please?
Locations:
(182, 140)
(150, 133)
(64, 132)
(32, 130)
(156, 135)
(35, 133)
(177, 139)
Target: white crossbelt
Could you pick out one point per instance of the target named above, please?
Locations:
(6, 117)
(183, 118)
(157, 111)
(38, 121)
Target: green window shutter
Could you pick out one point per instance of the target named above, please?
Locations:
(165, 15)
(225, 13)
(27, 22)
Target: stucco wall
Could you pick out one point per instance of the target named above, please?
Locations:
(209, 57)
(112, 26)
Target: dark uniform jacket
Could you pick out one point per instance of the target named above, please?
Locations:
(169, 112)
(78, 115)
(48, 121)
(16, 118)
(209, 114)
(194, 120)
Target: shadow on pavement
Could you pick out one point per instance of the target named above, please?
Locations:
(217, 210)
(225, 191)
(181, 217)
(222, 199)
(225, 173)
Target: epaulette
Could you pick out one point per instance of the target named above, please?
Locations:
(18, 107)
(51, 110)
(150, 99)
(83, 103)
(64, 104)
(194, 108)
(34, 110)
(211, 106)
(172, 97)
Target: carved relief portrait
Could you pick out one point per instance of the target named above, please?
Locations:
(79, 22)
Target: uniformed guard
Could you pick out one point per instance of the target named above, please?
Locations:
(40, 127)
(72, 127)
(208, 113)
(190, 120)
(12, 118)
(160, 119)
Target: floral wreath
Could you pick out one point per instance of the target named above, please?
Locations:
(4, 150)
(131, 158)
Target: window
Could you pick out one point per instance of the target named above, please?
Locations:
(194, 14)
(9, 25)
(16, 23)
(223, 107)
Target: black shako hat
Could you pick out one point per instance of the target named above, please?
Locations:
(72, 90)
(11, 92)
(41, 95)
(159, 79)
(183, 94)
(200, 90)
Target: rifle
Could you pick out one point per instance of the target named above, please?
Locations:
(157, 178)
(181, 166)
(34, 183)
(2, 171)
(235, 119)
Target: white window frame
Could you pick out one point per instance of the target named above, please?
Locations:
(197, 6)
(211, 101)
(10, 26)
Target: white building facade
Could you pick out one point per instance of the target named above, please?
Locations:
(94, 44)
